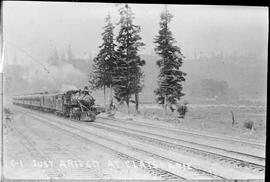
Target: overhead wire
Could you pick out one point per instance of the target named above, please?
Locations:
(36, 60)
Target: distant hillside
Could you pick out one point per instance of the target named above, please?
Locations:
(81, 64)
(245, 76)
(248, 76)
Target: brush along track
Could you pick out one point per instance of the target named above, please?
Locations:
(204, 166)
(178, 131)
(170, 143)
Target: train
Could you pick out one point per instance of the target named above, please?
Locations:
(73, 104)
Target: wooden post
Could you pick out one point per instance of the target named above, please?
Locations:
(233, 120)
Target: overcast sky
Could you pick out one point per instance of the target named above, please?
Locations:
(38, 27)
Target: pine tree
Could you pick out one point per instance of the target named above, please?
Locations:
(170, 77)
(104, 62)
(128, 73)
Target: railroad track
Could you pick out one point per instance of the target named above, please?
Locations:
(170, 143)
(29, 144)
(190, 133)
(176, 139)
(76, 129)
(207, 172)
(150, 168)
(57, 151)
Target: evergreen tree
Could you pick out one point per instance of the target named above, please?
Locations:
(169, 89)
(128, 73)
(104, 62)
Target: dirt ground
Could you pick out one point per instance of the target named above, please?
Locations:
(33, 150)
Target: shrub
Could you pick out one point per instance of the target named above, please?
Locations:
(249, 124)
(7, 111)
(182, 109)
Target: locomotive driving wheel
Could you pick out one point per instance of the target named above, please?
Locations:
(75, 113)
(88, 116)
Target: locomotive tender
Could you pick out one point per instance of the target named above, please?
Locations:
(75, 104)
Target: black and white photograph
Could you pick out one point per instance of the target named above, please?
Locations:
(133, 91)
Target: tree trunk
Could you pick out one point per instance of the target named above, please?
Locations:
(104, 89)
(165, 106)
(111, 97)
(137, 102)
(127, 101)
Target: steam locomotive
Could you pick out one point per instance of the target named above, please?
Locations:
(74, 104)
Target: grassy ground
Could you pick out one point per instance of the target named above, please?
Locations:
(215, 119)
